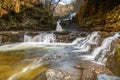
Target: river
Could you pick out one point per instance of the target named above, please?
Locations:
(38, 53)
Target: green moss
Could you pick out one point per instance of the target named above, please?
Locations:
(114, 62)
(34, 18)
(97, 13)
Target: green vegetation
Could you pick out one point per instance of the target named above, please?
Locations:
(113, 62)
(7, 6)
(25, 15)
(100, 13)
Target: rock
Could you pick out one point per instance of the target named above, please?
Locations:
(63, 9)
(99, 15)
(56, 74)
(113, 62)
(89, 70)
(16, 5)
(32, 18)
(11, 36)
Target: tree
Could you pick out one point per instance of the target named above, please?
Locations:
(49, 5)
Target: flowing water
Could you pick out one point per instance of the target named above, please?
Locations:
(41, 37)
(70, 17)
(105, 46)
(28, 59)
(36, 50)
(59, 27)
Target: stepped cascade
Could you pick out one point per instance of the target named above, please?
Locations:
(48, 47)
(59, 40)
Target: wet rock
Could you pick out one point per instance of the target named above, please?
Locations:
(56, 74)
(105, 34)
(11, 36)
(42, 76)
(102, 16)
(89, 70)
(69, 37)
(53, 57)
(113, 62)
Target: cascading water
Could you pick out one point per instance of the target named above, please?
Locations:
(70, 17)
(105, 46)
(42, 38)
(59, 27)
(46, 49)
(37, 63)
(85, 44)
(81, 45)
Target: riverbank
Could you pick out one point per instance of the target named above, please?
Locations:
(44, 53)
(103, 16)
(35, 18)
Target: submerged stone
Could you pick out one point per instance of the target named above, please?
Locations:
(56, 74)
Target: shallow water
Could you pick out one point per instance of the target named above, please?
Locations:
(26, 60)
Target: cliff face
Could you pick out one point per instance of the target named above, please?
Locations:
(63, 9)
(25, 15)
(113, 62)
(100, 14)
(7, 6)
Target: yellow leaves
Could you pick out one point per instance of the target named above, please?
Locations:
(2, 12)
(17, 6)
(28, 5)
(14, 5)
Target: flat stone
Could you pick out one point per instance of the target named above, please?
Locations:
(56, 74)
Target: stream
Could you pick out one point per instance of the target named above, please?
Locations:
(67, 53)
(19, 60)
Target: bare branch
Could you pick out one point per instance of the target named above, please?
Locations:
(56, 5)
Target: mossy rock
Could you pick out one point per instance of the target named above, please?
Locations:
(94, 13)
(34, 18)
(113, 62)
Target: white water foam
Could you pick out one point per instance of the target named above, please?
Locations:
(80, 45)
(48, 40)
(101, 50)
(41, 38)
(59, 27)
(72, 15)
(85, 44)
(105, 46)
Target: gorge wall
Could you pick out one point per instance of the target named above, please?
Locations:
(99, 15)
(25, 15)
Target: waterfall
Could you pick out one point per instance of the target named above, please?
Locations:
(81, 46)
(85, 43)
(105, 46)
(72, 15)
(59, 27)
(42, 38)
